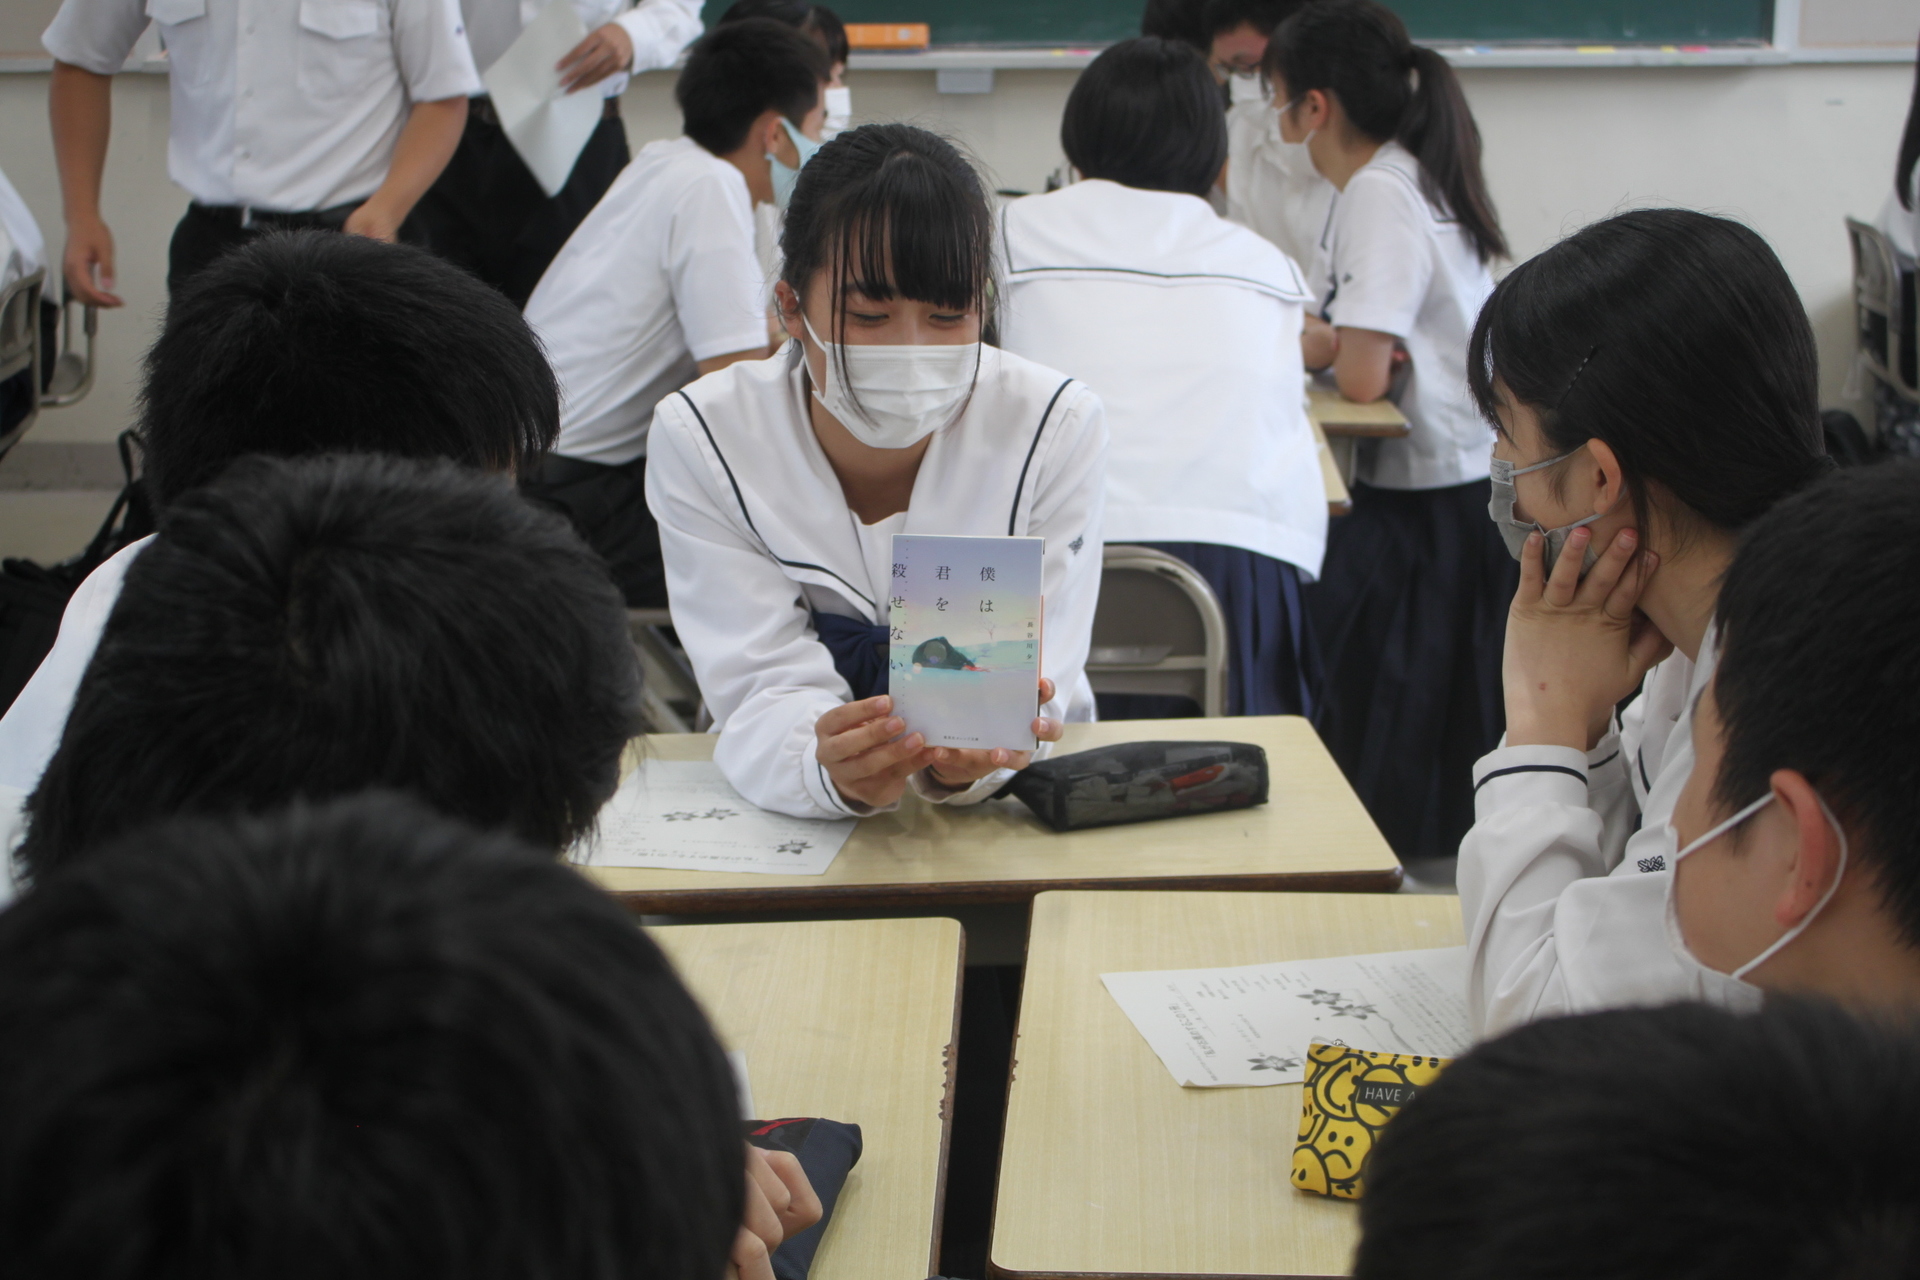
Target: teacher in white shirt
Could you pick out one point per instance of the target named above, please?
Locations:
(329, 114)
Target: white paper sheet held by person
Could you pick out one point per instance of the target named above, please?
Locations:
(682, 815)
(546, 125)
(1250, 1025)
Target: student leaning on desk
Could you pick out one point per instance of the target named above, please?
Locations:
(1632, 455)
(778, 485)
(335, 116)
(1777, 1145)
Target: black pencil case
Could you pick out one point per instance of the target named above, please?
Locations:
(827, 1151)
(1142, 781)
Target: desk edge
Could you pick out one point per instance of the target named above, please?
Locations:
(952, 1057)
(717, 901)
(997, 1272)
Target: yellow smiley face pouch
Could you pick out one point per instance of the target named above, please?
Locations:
(1349, 1097)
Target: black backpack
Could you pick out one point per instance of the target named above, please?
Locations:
(34, 596)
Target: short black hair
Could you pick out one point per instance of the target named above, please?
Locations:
(305, 628)
(1681, 1141)
(1182, 20)
(816, 20)
(892, 211)
(741, 69)
(1264, 16)
(1718, 404)
(1147, 114)
(356, 1040)
(316, 342)
(1819, 627)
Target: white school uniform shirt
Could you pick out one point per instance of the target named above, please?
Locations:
(1187, 326)
(1272, 186)
(1396, 264)
(286, 106)
(1564, 876)
(31, 728)
(660, 30)
(661, 274)
(756, 534)
(22, 250)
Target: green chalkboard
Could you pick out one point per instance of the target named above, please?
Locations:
(1086, 22)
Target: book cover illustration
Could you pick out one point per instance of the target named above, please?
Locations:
(964, 644)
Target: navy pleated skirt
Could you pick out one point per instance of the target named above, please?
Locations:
(1273, 666)
(1411, 612)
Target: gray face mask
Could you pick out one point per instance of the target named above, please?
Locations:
(1515, 532)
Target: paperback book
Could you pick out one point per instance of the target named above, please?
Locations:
(964, 641)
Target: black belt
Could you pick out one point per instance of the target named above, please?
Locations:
(240, 215)
(481, 109)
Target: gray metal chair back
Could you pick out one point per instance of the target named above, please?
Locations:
(20, 345)
(1883, 308)
(1159, 629)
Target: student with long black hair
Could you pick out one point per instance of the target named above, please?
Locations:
(1410, 604)
(1630, 456)
(1186, 325)
(778, 484)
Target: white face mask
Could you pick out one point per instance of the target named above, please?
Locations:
(895, 396)
(1678, 938)
(1281, 111)
(1515, 532)
(839, 101)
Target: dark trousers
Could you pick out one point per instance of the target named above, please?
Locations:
(608, 508)
(488, 214)
(205, 233)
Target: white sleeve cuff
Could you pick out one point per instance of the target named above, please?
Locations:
(1508, 777)
(982, 789)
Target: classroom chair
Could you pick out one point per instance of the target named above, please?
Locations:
(1158, 629)
(1883, 304)
(669, 695)
(29, 325)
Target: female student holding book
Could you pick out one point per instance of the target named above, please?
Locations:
(778, 485)
(1410, 605)
(1179, 320)
(1652, 380)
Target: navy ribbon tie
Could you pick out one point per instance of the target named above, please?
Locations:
(859, 651)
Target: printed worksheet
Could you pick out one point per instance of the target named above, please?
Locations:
(547, 126)
(682, 814)
(1250, 1025)
(963, 663)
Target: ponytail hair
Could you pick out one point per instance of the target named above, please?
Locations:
(1909, 149)
(1392, 90)
(1675, 337)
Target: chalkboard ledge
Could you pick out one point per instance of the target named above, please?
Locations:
(1464, 57)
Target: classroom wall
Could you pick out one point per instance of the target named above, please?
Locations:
(1789, 149)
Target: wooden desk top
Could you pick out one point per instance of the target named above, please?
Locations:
(1109, 1168)
(1339, 416)
(1339, 500)
(853, 1020)
(1312, 834)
